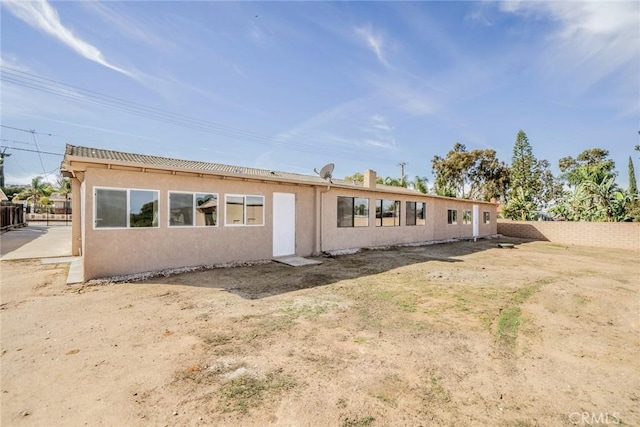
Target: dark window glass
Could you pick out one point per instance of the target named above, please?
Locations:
(143, 208)
(466, 217)
(206, 209)
(387, 213)
(180, 209)
(255, 210)
(452, 216)
(111, 208)
(410, 213)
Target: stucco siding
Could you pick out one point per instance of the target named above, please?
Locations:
(436, 227)
(129, 250)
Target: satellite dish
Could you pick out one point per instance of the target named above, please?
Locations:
(326, 171)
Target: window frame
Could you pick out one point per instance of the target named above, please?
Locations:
(353, 211)
(486, 217)
(452, 216)
(193, 206)
(467, 217)
(380, 219)
(244, 210)
(127, 208)
(415, 216)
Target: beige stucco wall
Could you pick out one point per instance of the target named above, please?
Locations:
(109, 252)
(436, 227)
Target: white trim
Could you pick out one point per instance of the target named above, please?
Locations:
(467, 221)
(284, 224)
(476, 221)
(456, 221)
(128, 207)
(244, 210)
(193, 205)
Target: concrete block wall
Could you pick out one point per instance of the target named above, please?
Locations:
(619, 235)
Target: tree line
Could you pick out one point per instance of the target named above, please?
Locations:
(585, 190)
(38, 193)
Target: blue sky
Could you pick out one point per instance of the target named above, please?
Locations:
(294, 85)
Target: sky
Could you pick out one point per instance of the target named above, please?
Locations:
(292, 86)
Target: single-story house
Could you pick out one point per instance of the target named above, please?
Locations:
(136, 213)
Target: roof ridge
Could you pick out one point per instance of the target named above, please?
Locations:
(116, 155)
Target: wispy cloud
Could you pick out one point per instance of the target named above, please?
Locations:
(379, 132)
(11, 61)
(42, 16)
(374, 41)
(126, 24)
(591, 41)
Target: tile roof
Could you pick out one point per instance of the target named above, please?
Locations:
(111, 156)
(191, 165)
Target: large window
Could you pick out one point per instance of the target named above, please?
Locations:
(118, 208)
(486, 217)
(353, 212)
(452, 216)
(416, 213)
(387, 213)
(466, 217)
(193, 209)
(244, 210)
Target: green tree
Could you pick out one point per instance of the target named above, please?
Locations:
(394, 182)
(35, 192)
(533, 186)
(419, 183)
(451, 172)
(525, 170)
(356, 177)
(521, 206)
(470, 174)
(633, 186)
(595, 195)
(590, 165)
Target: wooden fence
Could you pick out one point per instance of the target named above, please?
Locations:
(11, 216)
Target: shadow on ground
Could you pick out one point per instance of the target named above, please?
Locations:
(18, 237)
(260, 281)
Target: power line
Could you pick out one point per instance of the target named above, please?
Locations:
(35, 140)
(32, 151)
(43, 84)
(76, 93)
(25, 142)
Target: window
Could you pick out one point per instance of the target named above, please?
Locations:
(416, 213)
(116, 208)
(452, 216)
(353, 212)
(244, 210)
(193, 209)
(387, 213)
(466, 217)
(486, 217)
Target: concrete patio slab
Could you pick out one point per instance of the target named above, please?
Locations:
(296, 261)
(35, 242)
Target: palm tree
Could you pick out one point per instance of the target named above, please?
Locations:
(420, 183)
(64, 189)
(35, 192)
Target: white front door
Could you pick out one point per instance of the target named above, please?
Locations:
(284, 224)
(476, 221)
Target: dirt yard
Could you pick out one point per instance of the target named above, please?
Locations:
(453, 334)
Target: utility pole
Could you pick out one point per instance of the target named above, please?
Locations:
(402, 165)
(2, 156)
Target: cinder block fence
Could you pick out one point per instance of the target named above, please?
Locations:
(619, 235)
